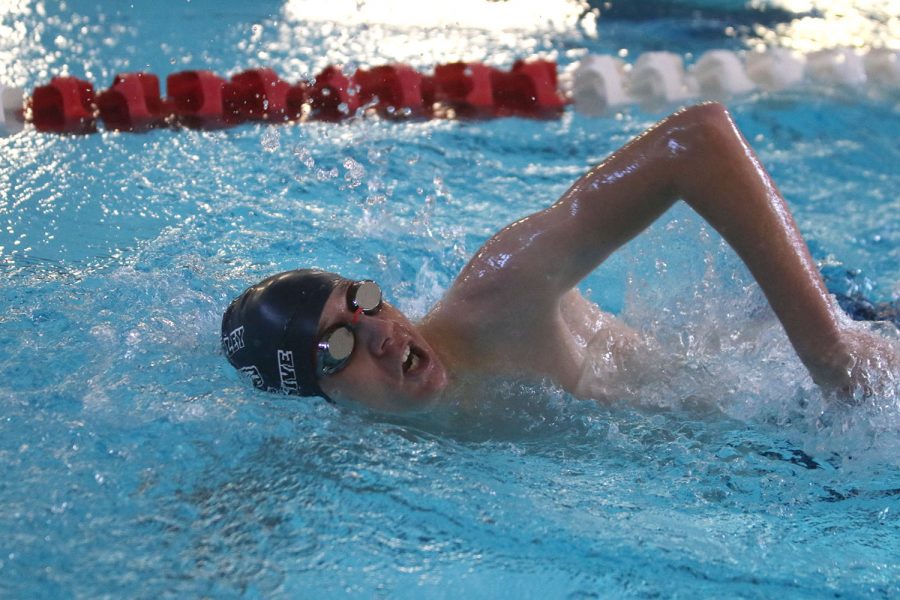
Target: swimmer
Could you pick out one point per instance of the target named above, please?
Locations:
(514, 310)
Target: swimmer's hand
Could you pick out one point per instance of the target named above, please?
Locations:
(859, 365)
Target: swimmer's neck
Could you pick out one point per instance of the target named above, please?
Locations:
(472, 362)
(452, 349)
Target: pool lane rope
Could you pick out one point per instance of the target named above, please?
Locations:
(204, 100)
(596, 86)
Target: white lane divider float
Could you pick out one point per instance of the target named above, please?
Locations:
(883, 68)
(775, 69)
(720, 74)
(839, 66)
(600, 83)
(659, 78)
(12, 105)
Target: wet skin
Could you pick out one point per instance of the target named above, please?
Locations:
(512, 310)
(392, 368)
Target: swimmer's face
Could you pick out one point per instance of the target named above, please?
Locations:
(392, 367)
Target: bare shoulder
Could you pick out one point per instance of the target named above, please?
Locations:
(498, 281)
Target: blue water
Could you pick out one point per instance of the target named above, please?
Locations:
(135, 463)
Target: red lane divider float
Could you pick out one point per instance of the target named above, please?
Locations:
(464, 87)
(396, 89)
(133, 103)
(197, 99)
(65, 105)
(333, 95)
(201, 99)
(259, 95)
(529, 89)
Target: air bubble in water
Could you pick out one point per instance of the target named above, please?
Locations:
(271, 140)
(355, 172)
(304, 156)
(326, 174)
(439, 186)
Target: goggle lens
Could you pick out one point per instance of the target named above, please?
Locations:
(339, 344)
(365, 295)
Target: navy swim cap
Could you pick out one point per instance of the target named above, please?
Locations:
(269, 331)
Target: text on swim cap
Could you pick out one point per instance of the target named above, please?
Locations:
(234, 341)
(286, 370)
(255, 378)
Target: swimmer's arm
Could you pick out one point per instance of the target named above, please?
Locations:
(697, 155)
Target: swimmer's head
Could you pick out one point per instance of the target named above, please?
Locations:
(270, 332)
(313, 333)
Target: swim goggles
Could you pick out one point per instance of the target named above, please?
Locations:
(336, 345)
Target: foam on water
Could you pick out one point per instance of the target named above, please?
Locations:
(731, 353)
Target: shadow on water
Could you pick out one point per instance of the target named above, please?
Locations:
(733, 12)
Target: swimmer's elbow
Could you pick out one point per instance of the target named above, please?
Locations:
(699, 137)
(702, 128)
(709, 115)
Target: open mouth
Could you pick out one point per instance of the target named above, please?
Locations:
(412, 358)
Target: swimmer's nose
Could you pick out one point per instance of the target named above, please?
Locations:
(377, 335)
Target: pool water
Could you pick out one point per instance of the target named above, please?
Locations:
(136, 463)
